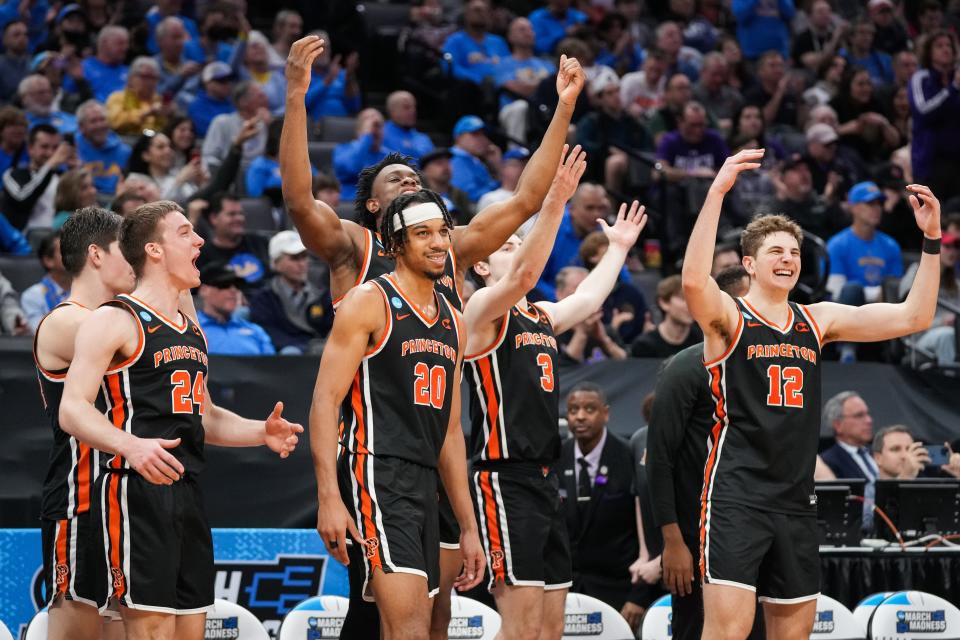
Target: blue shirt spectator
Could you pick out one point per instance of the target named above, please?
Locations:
(264, 174)
(220, 52)
(100, 150)
(368, 148)
(15, 59)
(406, 140)
(226, 333)
(12, 241)
(763, 25)
(331, 99)
(154, 17)
(204, 108)
(39, 299)
(37, 21)
(551, 24)
(65, 123)
(527, 71)
(104, 78)
(476, 52)
(877, 63)
(470, 174)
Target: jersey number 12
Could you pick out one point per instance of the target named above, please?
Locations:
(786, 386)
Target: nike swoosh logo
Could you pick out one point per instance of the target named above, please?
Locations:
(401, 317)
(153, 329)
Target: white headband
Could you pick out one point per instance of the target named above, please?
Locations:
(416, 214)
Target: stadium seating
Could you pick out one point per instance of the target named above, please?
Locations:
(321, 155)
(338, 128)
(259, 214)
(21, 271)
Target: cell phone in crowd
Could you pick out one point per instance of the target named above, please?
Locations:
(939, 454)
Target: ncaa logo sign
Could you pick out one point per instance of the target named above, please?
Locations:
(921, 621)
(218, 628)
(465, 627)
(319, 628)
(824, 622)
(910, 615)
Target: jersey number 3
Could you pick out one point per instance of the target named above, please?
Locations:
(183, 400)
(430, 386)
(786, 386)
(546, 369)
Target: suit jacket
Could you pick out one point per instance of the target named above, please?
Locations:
(842, 463)
(603, 534)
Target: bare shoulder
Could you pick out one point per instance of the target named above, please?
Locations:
(362, 304)
(112, 324)
(56, 336)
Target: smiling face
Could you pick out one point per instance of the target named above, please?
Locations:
(159, 154)
(777, 263)
(395, 179)
(426, 247)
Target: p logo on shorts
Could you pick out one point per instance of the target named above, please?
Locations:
(117, 578)
(62, 573)
(372, 545)
(496, 558)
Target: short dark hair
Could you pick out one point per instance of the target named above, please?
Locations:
(324, 181)
(13, 22)
(394, 238)
(730, 279)
(589, 387)
(45, 249)
(365, 186)
(89, 225)
(140, 227)
(216, 202)
(272, 147)
(117, 205)
(878, 439)
(37, 129)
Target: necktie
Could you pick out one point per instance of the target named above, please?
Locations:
(584, 486)
(868, 463)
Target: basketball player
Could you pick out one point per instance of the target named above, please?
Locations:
(515, 405)
(150, 359)
(393, 360)
(73, 560)
(762, 355)
(356, 254)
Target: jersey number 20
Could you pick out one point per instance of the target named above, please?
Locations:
(786, 386)
(430, 386)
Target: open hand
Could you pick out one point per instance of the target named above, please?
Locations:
(627, 228)
(742, 161)
(279, 434)
(567, 177)
(300, 62)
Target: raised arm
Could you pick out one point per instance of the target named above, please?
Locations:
(490, 228)
(714, 311)
(490, 303)
(107, 333)
(359, 318)
(320, 227)
(883, 321)
(595, 288)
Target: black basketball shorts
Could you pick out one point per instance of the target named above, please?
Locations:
(394, 503)
(74, 566)
(449, 528)
(158, 544)
(773, 554)
(522, 526)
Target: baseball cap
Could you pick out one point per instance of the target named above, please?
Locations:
(821, 133)
(794, 161)
(217, 71)
(435, 154)
(285, 243)
(468, 124)
(39, 60)
(950, 238)
(605, 79)
(217, 274)
(517, 153)
(68, 10)
(864, 192)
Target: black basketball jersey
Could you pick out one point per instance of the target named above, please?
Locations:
(159, 392)
(73, 466)
(766, 389)
(514, 393)
(399, 402)
(376, 263)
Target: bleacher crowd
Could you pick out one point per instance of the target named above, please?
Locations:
(125, 103)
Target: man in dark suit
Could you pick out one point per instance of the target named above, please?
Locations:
(851, 456)
(596, 470)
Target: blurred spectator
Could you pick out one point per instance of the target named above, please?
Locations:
(142, 186)
(831, 173)
(220, 25)
(518, 77)
(591, 340)
(820, 41)
(334, 90)
(699, 31)
(898, 455)
(226, 333)
(429, 24)
(676, 96)
(12, 242)
(905, 64)
(512, 166)
(935, 105)
(99, 148)
(692, 150)
(153, 157)
(642, 91)
(589, 203)
(34, 14)
(639, 22)
(553, 23)
(940, 338)
(712, 91)
(601, 503)
(327, 189)
(625, 309)
(295, 314)
(138, 106)
(213, 99)
(849, 416)
(36, 96)
(349, 158)
(163, 10)
(474, 156)
(862, 124)
(251, 104)
(65, 73)
(106, 71)
(12, 319)
(748, 124)
(256, 66)
(75, 190)
(753, 189)
(891, 35)
(675, 332)
(777, 92)
(183, 139)
(862, 53)
(741, 74)
(287, 29)
(263, 174)
(13, 136)
(15, 59)
(763, 25)
(898, 221)
(28, 193)
(680, 59)
(544, 101)
(796, 198)
(608, 131)
(70, 33)
(175, 68)
(725, 256)
(99, 13)
(399, 132)
(126, 203)
(246, 254)
(618, 49)
(861, 257)
(830, 75)
(929, 19)
(437, 172)
(39, 299)
(476, 53)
